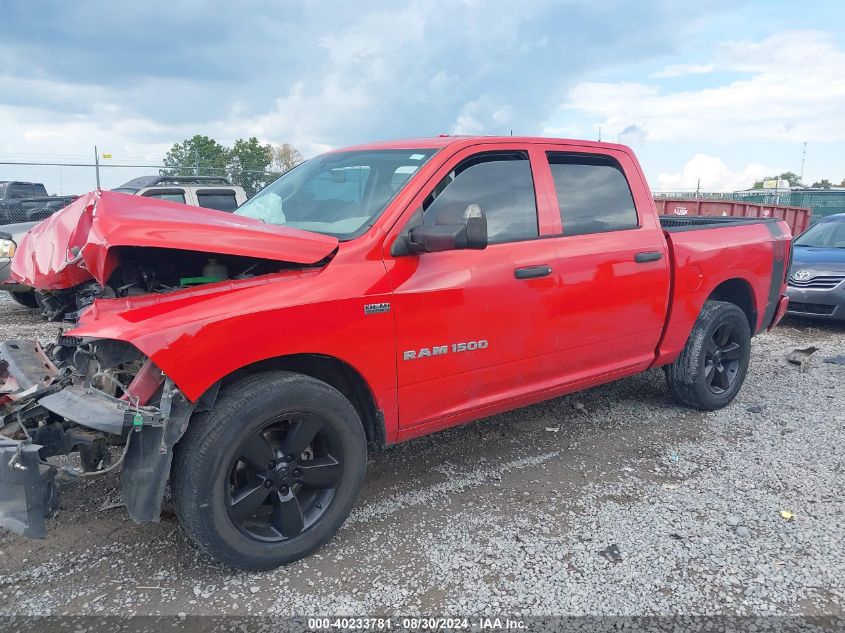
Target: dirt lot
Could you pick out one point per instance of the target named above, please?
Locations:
(509, 515)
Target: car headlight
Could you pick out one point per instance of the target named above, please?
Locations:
(7, 248)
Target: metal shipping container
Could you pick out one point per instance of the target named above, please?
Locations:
(798, 218)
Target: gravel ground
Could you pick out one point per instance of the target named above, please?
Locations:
(509, 515)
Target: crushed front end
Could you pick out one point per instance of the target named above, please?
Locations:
(115, 265)
(100, 400)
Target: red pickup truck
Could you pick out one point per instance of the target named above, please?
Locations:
(371, 295)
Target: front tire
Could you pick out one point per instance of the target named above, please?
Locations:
(26, 299)
(712, 366)
(271, 472)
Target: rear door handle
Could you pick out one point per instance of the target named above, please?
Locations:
(651, 256)
(532, 272)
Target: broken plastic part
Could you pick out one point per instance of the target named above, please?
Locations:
(27, 490)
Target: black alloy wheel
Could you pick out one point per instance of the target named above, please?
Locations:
(711, 368)
(723, 354)
(283, 477)
(271, 472)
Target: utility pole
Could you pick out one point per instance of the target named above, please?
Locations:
(698, 189)
(803, 158)
(196, 162)
(97, 166)
(599, 134)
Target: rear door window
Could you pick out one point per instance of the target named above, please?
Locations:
(593, 194)
(222, 199)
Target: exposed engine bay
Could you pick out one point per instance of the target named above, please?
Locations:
(108, 245)
(146, 270)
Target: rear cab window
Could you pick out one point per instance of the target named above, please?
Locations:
(25, 190)
(592, 192)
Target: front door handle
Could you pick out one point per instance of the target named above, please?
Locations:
(651, 256)
(532, 272)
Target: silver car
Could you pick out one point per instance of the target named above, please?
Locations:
(10, 237)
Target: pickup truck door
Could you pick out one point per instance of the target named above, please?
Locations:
(471, 325)
(613, 262)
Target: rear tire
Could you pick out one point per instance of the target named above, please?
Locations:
(290, 435)
(26, 299)
(712, 366)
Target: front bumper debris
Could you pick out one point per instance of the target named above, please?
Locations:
(25, 370)
(80, 404)
(27, 489)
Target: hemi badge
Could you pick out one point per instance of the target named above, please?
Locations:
(376, 308)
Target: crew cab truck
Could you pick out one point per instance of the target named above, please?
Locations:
(371, 295)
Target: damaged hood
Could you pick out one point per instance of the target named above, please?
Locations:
(77, 243)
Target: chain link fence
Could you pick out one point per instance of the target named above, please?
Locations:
(823, 202)
(75, 178)
(70, 178)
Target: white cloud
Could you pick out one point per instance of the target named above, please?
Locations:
(681, 70)
(795, 92)
(484, 115)
(712, 174)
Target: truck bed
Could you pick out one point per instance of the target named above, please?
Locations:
(674, 224)
(752, 251)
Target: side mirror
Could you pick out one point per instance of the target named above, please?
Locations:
(435, 238)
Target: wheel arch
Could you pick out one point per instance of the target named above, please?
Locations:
(740, 293)
(335, 373)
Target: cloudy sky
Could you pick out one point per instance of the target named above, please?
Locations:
(721, 91)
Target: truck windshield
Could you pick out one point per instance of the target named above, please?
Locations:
(824, 235)
(339, 194)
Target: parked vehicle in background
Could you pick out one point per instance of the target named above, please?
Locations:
(10, 237)
(817, 276)
(372, 295)
(195, 191)
(28, 202)
(798, 218)
(22, 206)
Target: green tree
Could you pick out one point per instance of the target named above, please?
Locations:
(248, 162)
(196, 156)
(822, 184)
(792, 178)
